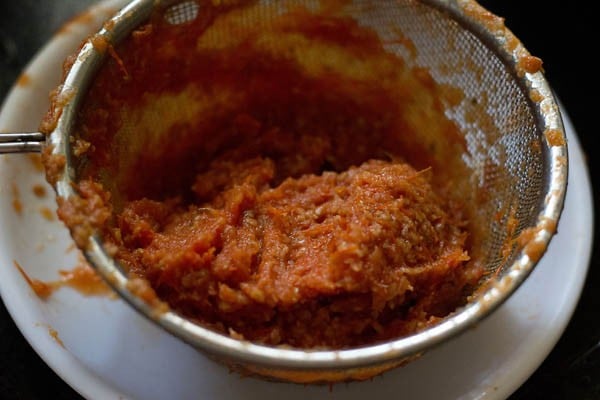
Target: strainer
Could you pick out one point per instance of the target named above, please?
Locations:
(515, 148)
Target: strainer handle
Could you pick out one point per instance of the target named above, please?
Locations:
(28, 142)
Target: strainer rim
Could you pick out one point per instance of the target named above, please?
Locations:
(545, 107)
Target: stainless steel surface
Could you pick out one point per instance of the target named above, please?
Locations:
(30, 142)
(459, 49)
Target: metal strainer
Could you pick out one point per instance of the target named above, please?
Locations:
(516, 148)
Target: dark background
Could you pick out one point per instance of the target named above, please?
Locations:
(560, 35)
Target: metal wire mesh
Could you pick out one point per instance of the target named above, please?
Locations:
(181, 13)
(495, 115)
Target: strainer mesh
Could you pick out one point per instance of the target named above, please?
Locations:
(503, 141)
(504, 149)
(181, 13)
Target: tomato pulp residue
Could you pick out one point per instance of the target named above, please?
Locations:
(53, 334)
(290, 184)
(16, 198)
(82, 278)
